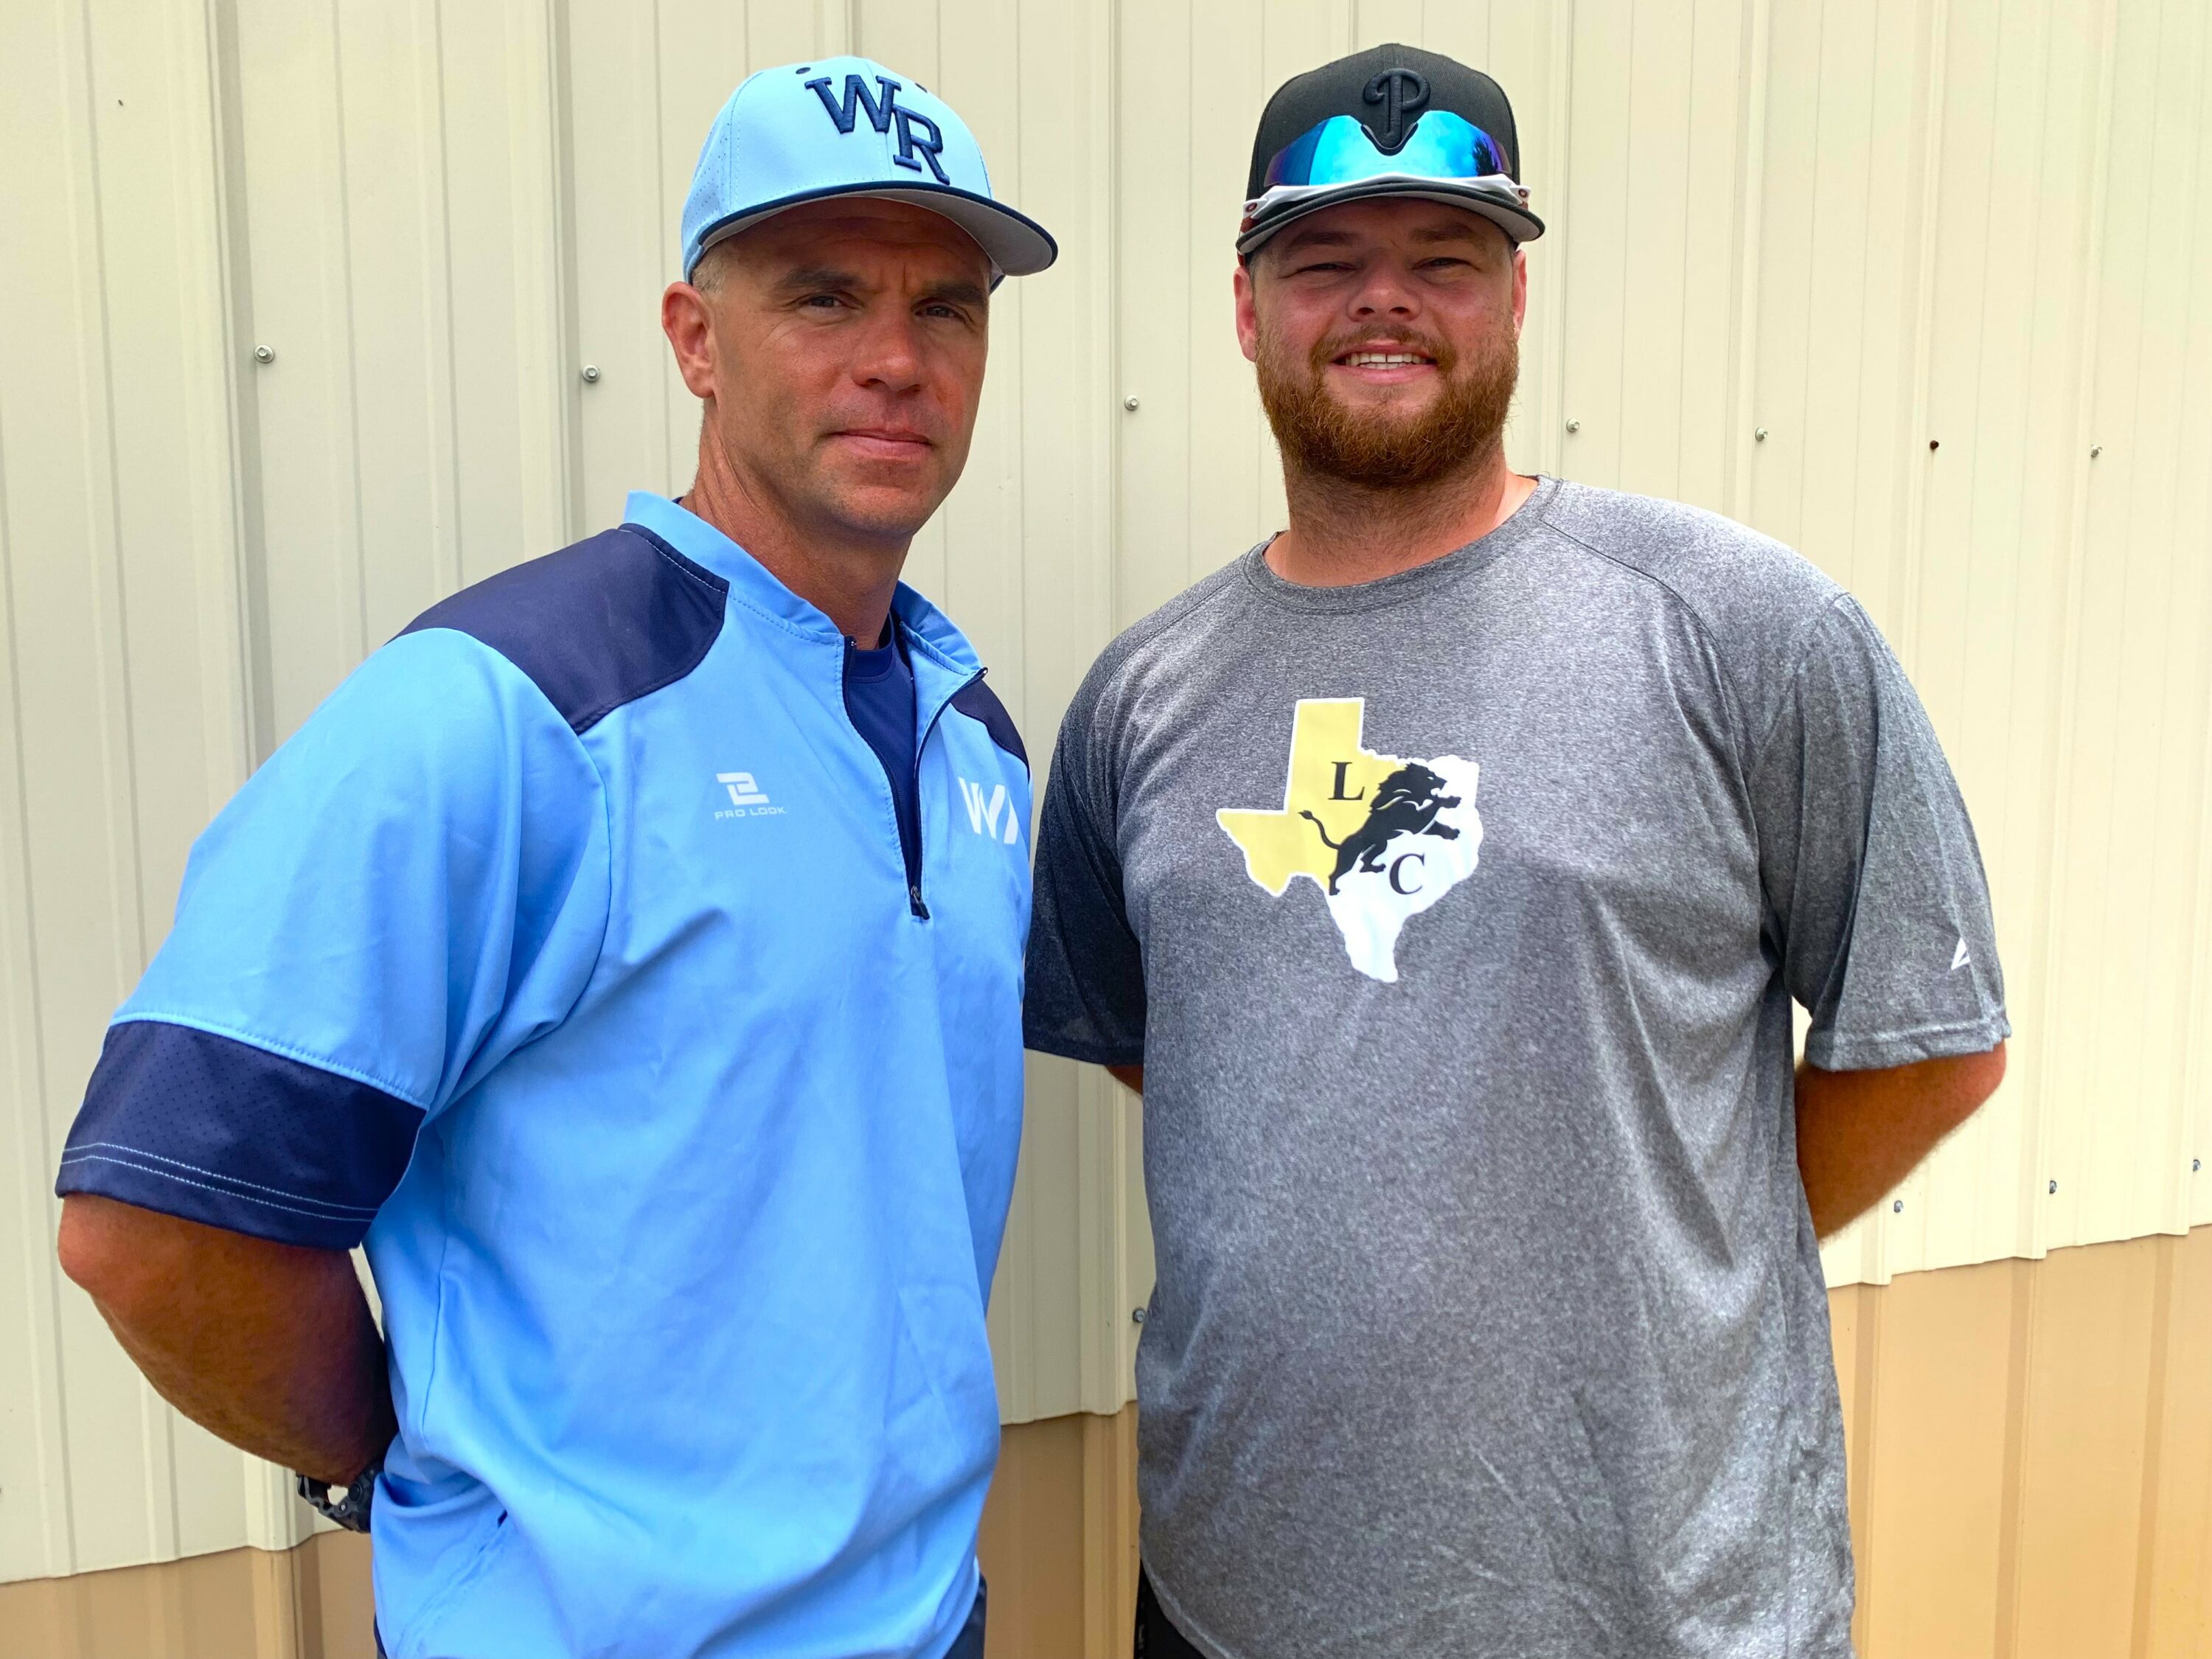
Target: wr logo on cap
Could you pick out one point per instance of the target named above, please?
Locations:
(917, 133)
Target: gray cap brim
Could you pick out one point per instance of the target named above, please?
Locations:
(1016, 245)
(1509, 216)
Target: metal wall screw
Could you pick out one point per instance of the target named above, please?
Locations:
(2095, 450)
(1137, 1315)
(1129, 403)
(264, 355)
(1760, 436)
(1574, 426)
(1898, 1208)
(2195, 1164)
(2054, 1187)
(1935, 444)
(591, 373)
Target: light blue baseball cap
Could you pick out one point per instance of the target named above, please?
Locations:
(848, 126)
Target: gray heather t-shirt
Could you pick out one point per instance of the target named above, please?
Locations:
(1456, 919)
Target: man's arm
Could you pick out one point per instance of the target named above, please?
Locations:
(271, 1346)
(1861, 1133)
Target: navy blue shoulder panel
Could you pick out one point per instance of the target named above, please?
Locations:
(979, 703)
(192, 1124)
(595, 625)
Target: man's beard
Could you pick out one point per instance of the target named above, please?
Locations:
(1319, 436)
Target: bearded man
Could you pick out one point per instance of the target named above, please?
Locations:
(1443, 871)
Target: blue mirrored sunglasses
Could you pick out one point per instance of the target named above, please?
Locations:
(1340, 151)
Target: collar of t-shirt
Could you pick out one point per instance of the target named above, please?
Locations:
(879, 701)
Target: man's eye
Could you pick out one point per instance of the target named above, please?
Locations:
(823, 301)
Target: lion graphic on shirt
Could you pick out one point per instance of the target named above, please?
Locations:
(1407, 804)
(1383, 837)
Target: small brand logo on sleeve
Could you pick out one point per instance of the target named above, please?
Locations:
(983, 813)
(1959, 958)
(747, 799)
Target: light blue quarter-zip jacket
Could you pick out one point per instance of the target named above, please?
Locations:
(569, 955)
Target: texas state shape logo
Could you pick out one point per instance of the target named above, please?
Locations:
(1383, 836)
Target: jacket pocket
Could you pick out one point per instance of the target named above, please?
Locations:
(458, 1568)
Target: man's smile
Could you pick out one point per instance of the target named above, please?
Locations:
(1384, 363)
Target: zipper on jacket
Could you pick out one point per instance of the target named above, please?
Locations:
(920, 746)
(915, 905)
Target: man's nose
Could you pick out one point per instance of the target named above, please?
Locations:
(890, 357)
(1385, 293)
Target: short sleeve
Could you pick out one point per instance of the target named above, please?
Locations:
(1877, 903)
(412, 888)
(1085, 981)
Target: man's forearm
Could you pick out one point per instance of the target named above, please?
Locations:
(269, 1345)
(1861, 1133)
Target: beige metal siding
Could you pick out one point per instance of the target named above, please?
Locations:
(1862, 227)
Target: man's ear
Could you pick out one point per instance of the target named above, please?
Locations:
(1248, 316)
(688, 321)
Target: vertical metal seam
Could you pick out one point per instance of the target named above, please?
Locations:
(442, 197)
(227, 216)
(1859, 1454)
(117, 726)
(2012, 1503)
(2031, 1240)
(2157, 827)
(342, 182)
(1105, 170)
(1619, 366)
(1934, 107)
(665, 405)
(568, 310)
(2195, 1089)
(1906, 555)
(2141, 1603)
(2173, 1199)
(1560, 118)
(1755, 49)
(1802, 414)
(19, 966)
(1104, 22)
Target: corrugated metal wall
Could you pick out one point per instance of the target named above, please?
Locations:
(1936, 252)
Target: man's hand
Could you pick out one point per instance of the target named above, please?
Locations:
(269, 1345)
(1861, 1133)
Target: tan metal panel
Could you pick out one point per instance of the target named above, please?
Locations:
(2082, 1456)
(2172, 1612)
(1931, 1462)
(1986, 569)
(2133, 830)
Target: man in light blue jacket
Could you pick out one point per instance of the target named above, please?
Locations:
(629, 954)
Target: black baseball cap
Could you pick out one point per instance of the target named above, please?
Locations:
(1390, 121)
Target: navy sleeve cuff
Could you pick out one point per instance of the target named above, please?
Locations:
(1044, 1039)
(216, 1130)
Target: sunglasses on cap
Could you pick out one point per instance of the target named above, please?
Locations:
(1444, 147)
(1341, 151)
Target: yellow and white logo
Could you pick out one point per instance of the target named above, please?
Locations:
(1383, 836)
